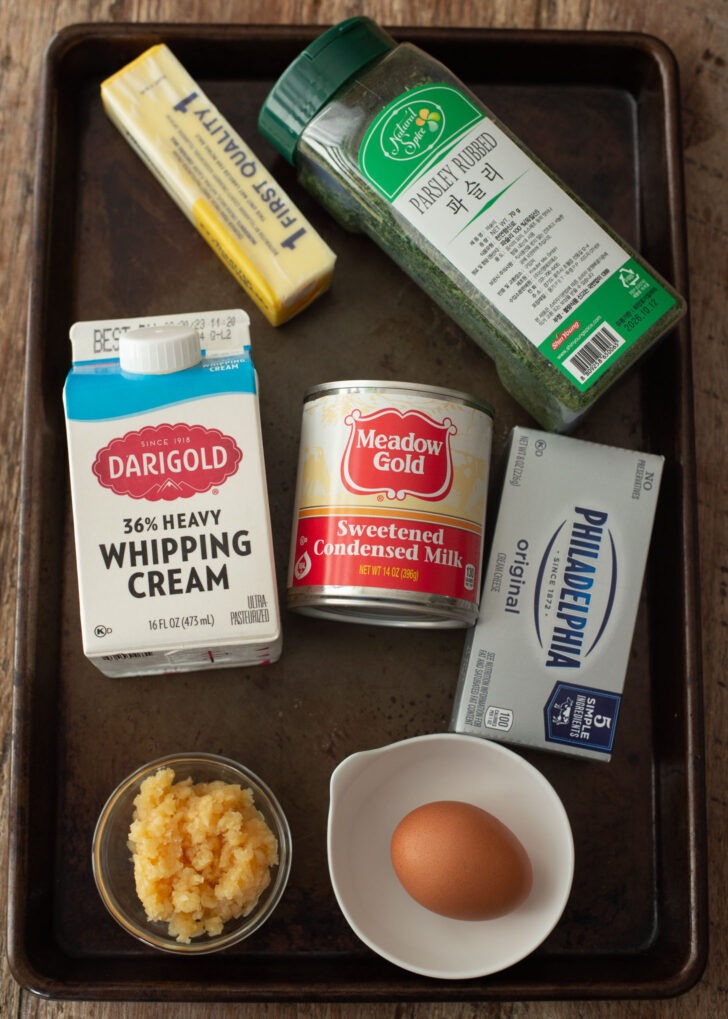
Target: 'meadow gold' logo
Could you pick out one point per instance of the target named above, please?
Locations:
(167, 462)
(398, 454)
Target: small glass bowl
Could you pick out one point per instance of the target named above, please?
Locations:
(114, 871)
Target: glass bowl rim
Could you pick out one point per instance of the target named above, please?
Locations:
(239, 929)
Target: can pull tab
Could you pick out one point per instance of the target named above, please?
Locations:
(159, 350)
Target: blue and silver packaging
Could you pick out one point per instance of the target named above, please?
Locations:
(545, 664)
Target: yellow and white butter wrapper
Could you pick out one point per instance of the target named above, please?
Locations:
(219, 183)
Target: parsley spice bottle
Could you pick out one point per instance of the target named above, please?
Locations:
(395, 146)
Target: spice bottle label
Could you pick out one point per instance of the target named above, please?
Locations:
(457, 178)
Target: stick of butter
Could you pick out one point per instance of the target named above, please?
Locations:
(218, 182)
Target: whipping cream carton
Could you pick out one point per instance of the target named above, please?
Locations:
(545, 664)
(173, 538)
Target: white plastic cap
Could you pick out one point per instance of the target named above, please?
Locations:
(158, 350)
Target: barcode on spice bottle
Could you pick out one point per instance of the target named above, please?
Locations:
(593, 352)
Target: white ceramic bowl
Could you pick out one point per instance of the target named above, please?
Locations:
(373, 790)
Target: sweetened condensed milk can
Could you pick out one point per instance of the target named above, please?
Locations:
(390, 506)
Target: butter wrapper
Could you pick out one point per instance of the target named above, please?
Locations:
(219, 183)
(545, 664)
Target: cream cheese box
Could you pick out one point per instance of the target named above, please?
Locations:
(545, 664)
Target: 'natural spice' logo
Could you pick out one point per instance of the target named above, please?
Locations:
(412, 130)
(408, 136)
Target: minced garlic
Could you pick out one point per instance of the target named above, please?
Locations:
(202, 853)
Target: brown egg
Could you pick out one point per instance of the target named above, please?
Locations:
(460, 861)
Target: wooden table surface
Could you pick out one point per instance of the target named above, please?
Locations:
(697, 32)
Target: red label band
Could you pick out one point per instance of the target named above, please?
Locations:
(371, 552)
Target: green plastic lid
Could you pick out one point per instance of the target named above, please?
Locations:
(314, 76)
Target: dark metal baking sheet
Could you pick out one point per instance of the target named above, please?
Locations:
(602, 111)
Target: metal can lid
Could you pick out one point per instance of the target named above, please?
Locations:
(414, 388)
